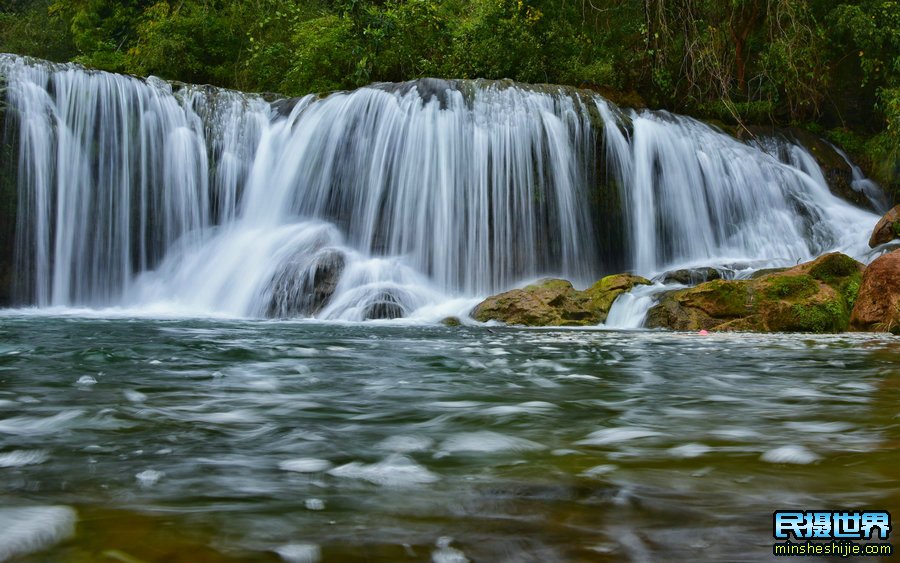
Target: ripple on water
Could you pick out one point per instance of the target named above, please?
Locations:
(20, 458)
(299, 553)
(485, 442)
(35, 426)
(29, 529)
(305, 465)
(405, 444)
(689, 450)
(394, 471)
(799, 455)
(617, 435)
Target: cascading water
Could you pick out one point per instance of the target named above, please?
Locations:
(380, 202)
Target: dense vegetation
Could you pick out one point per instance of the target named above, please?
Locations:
(832, 66)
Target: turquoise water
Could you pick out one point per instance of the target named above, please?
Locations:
(209, 440)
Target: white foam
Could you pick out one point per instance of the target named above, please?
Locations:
(616, 435)
(34, 426)
(486, 441)
(689, 450)
(299, 553)
(406, 444)
(30, 529)
(21, 458)
(149, 477)
(305, 465)
(314, 504)
(394, 471)
(446, 554)
(790, 454)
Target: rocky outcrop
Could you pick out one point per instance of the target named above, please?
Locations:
(554, 302)
(887, 229)
(877, 307)
(813, 297)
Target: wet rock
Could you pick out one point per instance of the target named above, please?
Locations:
(385, 306)
(554, 302)
(887, 229)
(877, 306)
(691, 276)
(813, 297)
(451, 321)
(303, 286)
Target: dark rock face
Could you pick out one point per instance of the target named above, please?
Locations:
(813, 297)
(887, 229)
(554, 302)
(877, 307)
(302, 288)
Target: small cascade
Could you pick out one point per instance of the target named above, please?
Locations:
(383, 202)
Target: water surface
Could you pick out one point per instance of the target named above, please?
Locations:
(209, 440)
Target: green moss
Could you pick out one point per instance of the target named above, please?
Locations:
(724, 298)
(829, 316)
(834, 266)
(557, 284)
(792, 287)
(850, 289)
(895, 227)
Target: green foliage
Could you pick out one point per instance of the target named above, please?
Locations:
(29, 30)
(192, 42)
(741, 61)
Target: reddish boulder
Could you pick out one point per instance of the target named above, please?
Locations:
(877, 306)
(887, 229)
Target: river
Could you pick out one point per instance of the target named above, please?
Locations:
(230, 440)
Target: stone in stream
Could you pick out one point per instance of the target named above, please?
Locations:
(816, 296)
(877, 307)
(887, 228)
(555, 302)
(302, 287)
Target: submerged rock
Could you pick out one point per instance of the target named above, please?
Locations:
(887, 229)
(387, 305)
(813, 297)
(554, 302)
(877, 307)
(451, 321)
(302, 288)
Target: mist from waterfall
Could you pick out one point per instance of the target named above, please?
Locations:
(384, 201)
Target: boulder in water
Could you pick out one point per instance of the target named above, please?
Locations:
(386, 305)
(302, 286)
(877, 307)
(813, 297)
(554, 302)
(887, 229)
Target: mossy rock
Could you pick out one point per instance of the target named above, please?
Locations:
(813, 297)
(555, 302)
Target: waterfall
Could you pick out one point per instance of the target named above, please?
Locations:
(383, 201)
